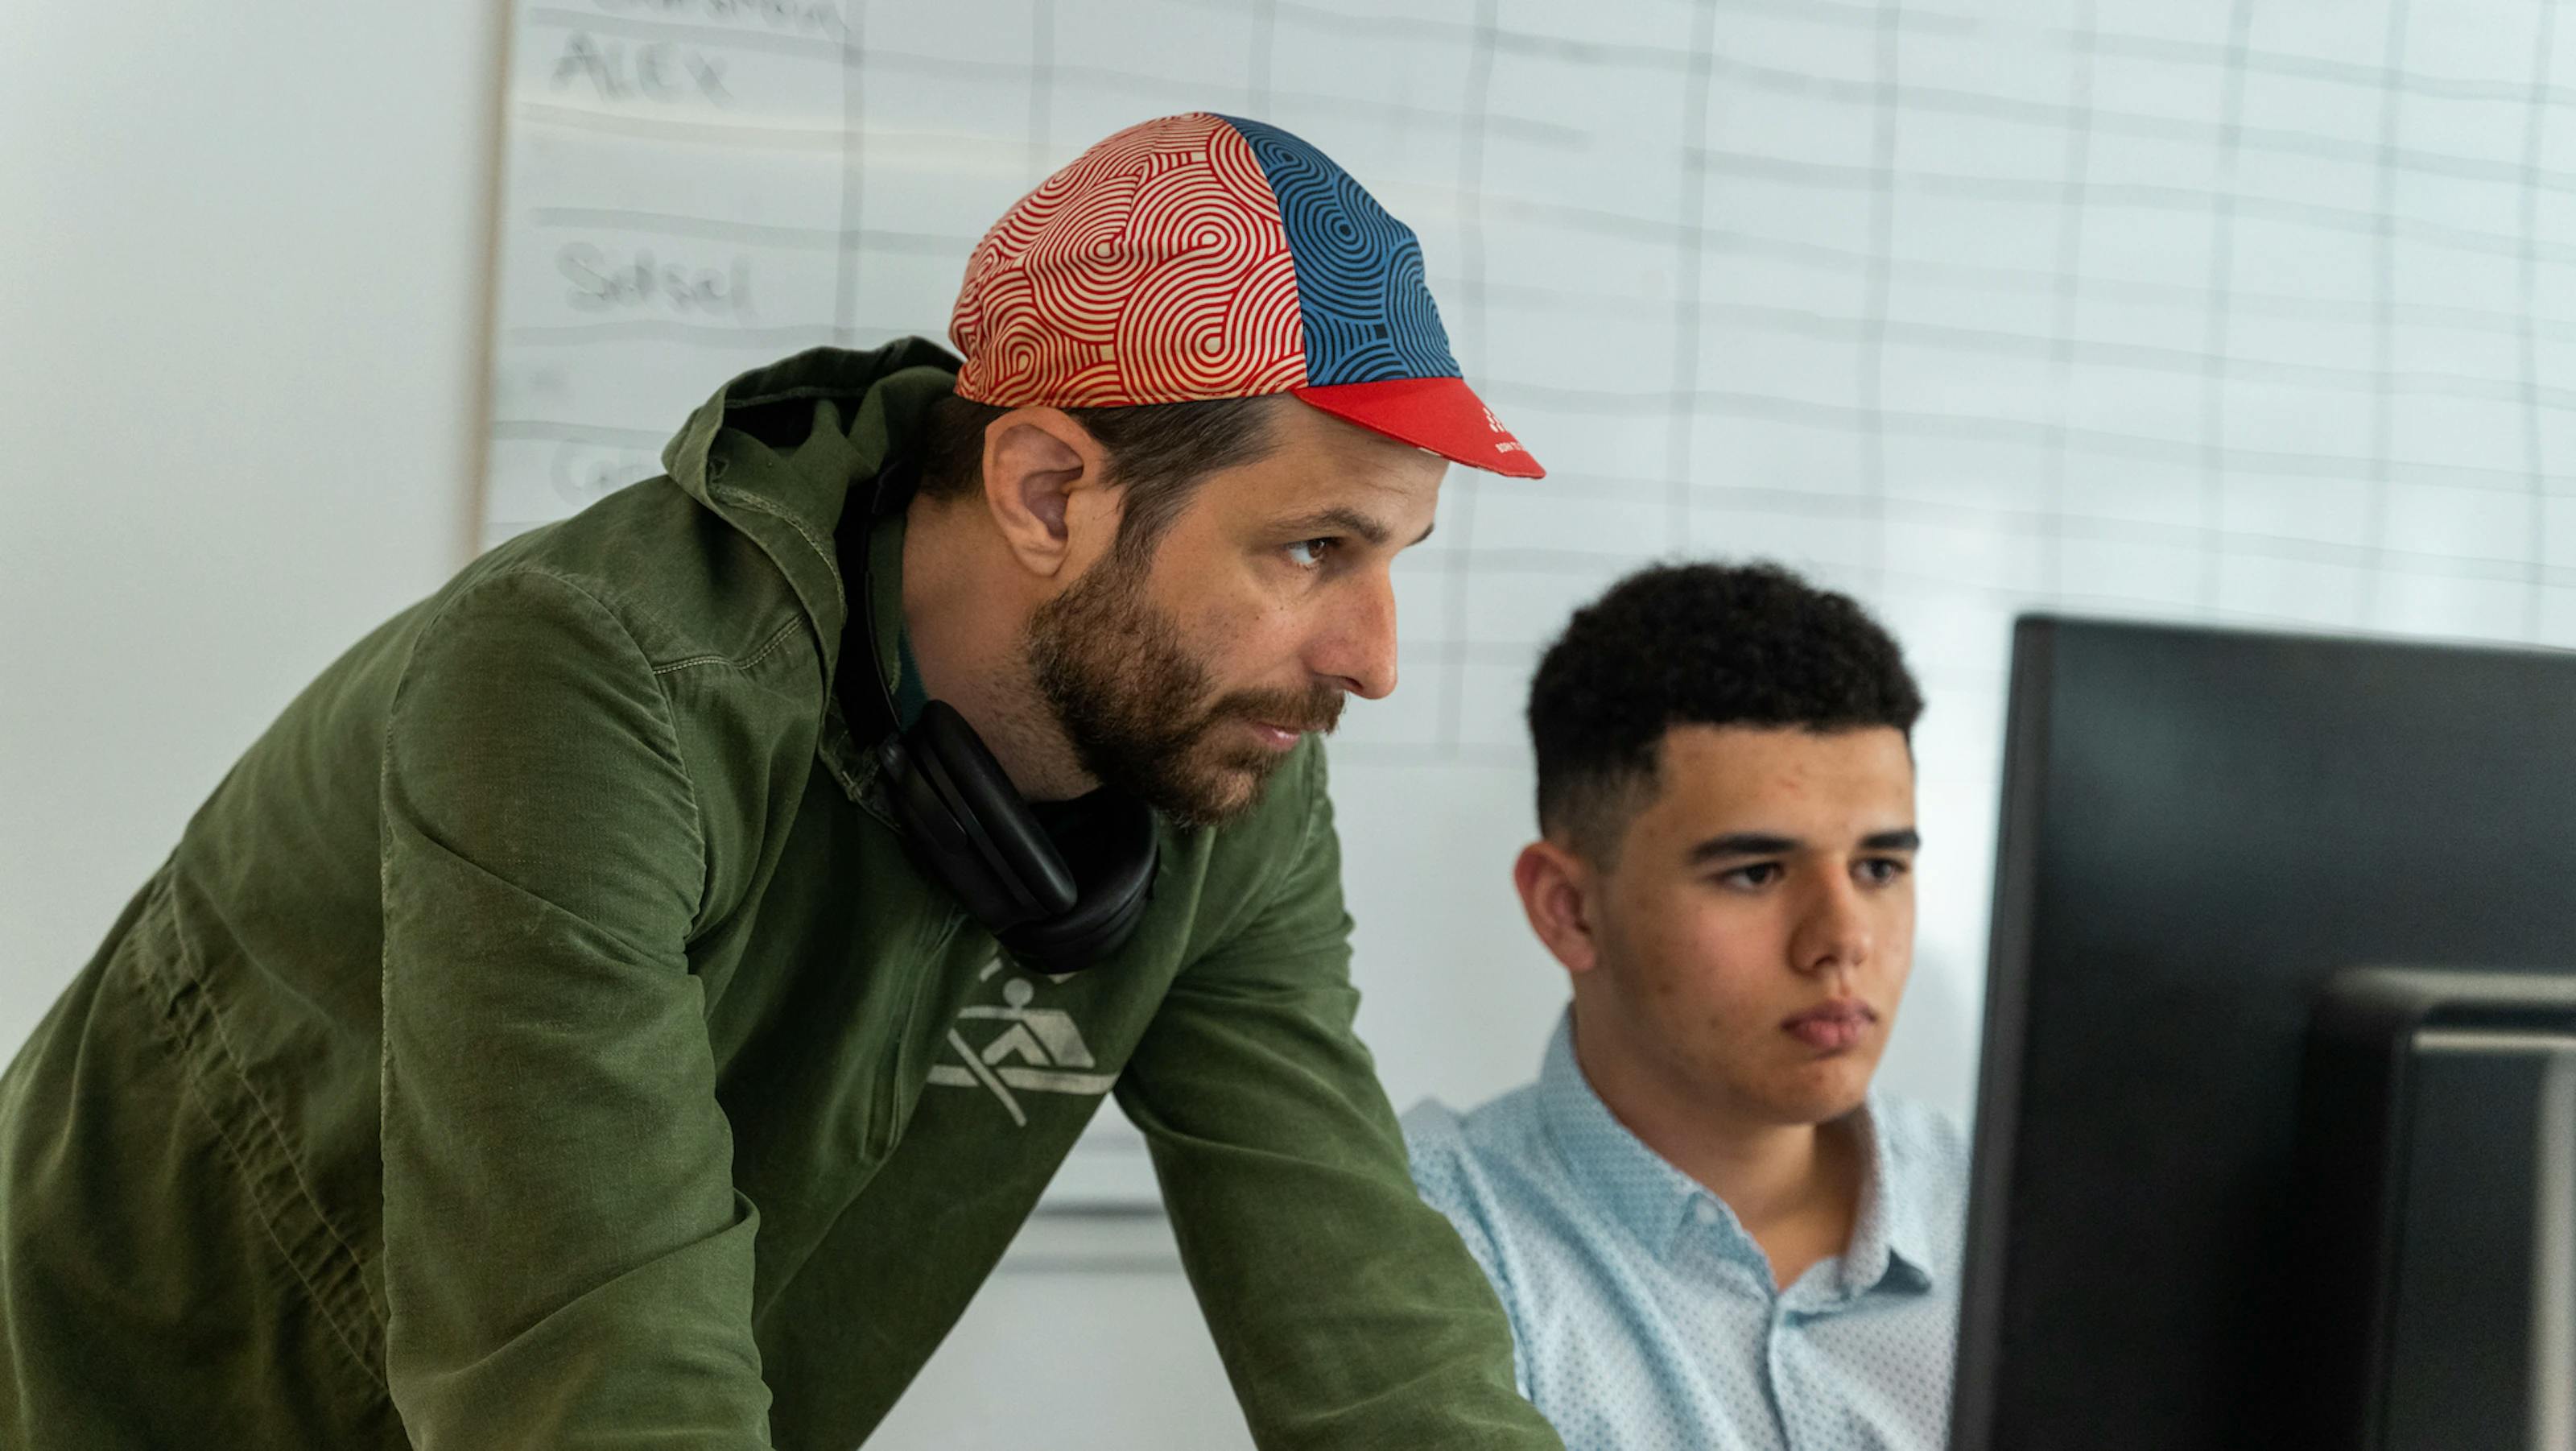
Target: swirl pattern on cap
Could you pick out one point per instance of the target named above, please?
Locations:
(1151, 269)
(1368, 312)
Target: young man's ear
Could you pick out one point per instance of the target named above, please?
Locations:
(1557, 888)
(1045, 483)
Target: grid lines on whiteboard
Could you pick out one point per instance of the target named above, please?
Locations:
(2192, 311)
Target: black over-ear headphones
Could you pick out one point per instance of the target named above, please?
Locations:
(1059, 901)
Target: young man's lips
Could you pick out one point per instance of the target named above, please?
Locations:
(1833, 1027)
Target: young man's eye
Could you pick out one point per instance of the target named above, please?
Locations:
(1310, 553)
(1757, 874)
(1878, 871)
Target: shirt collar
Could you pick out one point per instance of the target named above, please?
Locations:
(1612, 1166)
(1891, 1240)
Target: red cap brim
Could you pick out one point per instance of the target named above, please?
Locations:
(1439, 414)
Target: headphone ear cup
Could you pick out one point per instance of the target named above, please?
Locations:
(1006, 839)
(1114, 848)
(926, 813)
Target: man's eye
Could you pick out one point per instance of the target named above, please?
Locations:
(1879, 871)
(1759, 874)
(1309, 553)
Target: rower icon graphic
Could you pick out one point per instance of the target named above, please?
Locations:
(1037, 1050)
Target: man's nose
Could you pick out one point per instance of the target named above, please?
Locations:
(1359, 648)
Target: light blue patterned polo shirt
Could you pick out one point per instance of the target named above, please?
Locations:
(1644, 1315)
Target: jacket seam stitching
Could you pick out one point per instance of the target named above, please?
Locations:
(232, 1064)
(661, 693)
(790, 392)
(1288, 861)
(697, 806)
(1317, 793)
(1273, 885)
(756, 502)
(768, 647)
(670, 721)
(238, 1161)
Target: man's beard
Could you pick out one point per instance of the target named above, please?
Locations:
(1142, 715)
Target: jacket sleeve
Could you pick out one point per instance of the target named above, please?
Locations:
(566, 1261)
(1346, 1310)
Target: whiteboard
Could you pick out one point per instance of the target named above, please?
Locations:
(2156, 308)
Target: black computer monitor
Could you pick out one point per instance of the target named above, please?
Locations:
(2230, 1193)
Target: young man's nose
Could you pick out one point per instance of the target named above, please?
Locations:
(1834, 931)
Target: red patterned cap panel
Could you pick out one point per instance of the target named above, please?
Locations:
(1152, 269)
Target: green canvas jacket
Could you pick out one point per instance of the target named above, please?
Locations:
(541, 1039)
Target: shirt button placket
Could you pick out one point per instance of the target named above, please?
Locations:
(1786, 1391)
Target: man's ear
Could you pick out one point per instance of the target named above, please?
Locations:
(1045, 476)
(1557, 890)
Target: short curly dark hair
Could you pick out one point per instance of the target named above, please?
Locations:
(1696, 644)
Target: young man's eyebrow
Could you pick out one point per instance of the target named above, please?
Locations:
(1344, 520)
(1744, 843)
(1763, 843)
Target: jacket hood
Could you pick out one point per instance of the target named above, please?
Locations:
(778, 452)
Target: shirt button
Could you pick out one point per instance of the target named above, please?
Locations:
(1704, 1212)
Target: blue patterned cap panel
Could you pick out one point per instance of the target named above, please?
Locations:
(1367, 311)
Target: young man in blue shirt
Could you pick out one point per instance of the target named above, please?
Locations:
(1706, 1229)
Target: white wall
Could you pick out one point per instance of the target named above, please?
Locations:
(1086, 1339)
(238, 365)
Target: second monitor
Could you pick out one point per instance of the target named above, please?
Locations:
(2229, 1193)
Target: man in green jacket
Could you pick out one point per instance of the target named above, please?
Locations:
(579, 1021)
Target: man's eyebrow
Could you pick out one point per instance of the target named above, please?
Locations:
(1744, 843)
(1346, 520)
(1904, 838)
